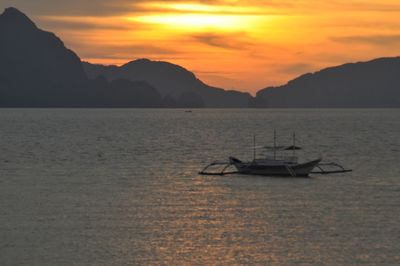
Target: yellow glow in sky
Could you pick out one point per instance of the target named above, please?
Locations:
(195, 16)
(198, 21)
(199, 7)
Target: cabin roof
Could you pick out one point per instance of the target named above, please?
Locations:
(283, 148)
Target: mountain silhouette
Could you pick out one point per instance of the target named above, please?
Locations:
(37, 70)
(373, 84)
(35, 66)
(172, 81)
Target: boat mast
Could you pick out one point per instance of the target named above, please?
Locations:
(254, 147)
(294, 144)
(274, 144)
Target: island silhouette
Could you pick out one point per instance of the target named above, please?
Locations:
(37, 70)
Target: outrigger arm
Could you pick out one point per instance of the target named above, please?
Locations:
(225, 165)
(320, 166)
(322, 171)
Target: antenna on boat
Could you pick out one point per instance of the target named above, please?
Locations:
(254, 147)
(294, 143)
(274, 144)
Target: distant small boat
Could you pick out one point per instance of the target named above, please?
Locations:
(278, 163)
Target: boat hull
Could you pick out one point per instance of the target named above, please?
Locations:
(293, 170)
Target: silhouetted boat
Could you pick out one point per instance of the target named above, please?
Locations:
(274, 167)
(276, 163)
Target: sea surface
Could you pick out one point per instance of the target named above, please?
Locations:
(120, 187)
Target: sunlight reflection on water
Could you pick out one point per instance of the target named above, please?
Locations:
(121, 187)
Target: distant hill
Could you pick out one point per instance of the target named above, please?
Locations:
(172, 81)
(373, 84)
(37, 70)
(35, 66)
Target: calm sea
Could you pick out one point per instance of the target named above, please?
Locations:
(117, 187)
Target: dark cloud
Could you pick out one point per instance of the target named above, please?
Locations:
(215, 72)
(122, 51)
(227, 41)
(296, 68)
(70, 7)
(79, 25)
(380, 40)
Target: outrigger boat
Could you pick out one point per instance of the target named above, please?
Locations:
(276, 164)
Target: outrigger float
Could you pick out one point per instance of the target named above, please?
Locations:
(275, 164)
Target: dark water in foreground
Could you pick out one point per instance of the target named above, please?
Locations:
(114, 187)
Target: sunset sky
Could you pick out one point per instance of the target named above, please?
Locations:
(235, 44)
